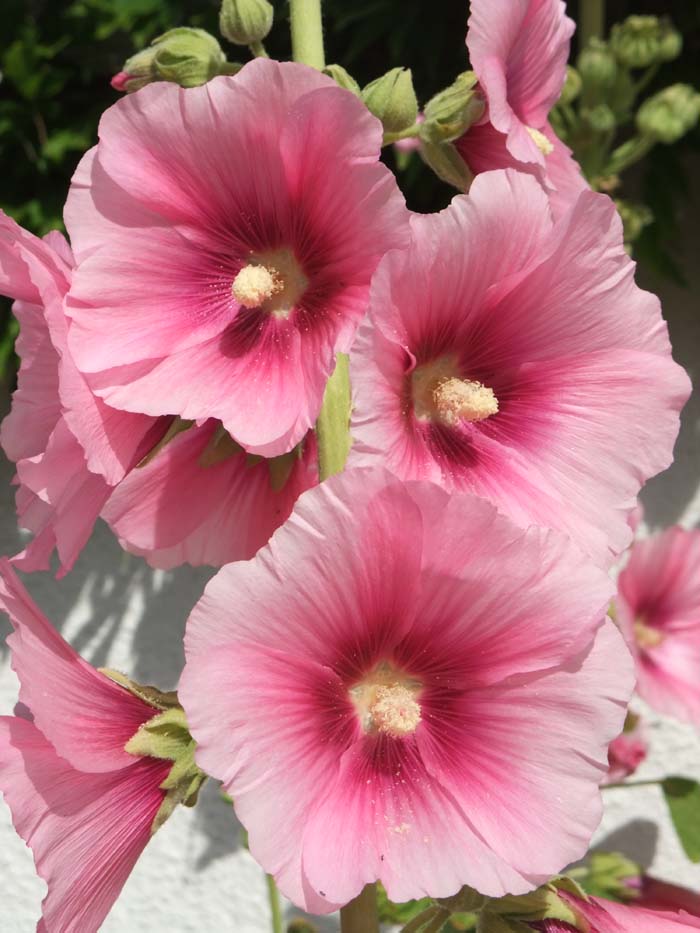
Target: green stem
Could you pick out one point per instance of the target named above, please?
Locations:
(404, 134)
(273, 896)
(360, 915)
(307, 32)
(591, 21)
(258, 50)
(654, 782)
(333, 425)
(647, 78)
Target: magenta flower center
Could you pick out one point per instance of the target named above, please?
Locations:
(386, 701)
(440, 394)
(647, 636)
(272, 281)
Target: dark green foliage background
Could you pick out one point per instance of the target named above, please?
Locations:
(57, 56)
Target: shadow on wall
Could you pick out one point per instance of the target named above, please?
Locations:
(637, 840)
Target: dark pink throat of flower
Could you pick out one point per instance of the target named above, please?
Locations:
(440, 394)
(386, 702)
(272, 281)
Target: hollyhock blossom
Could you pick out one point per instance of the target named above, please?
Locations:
(627, 751)
(519, 50)
(658, 609)
(515, 358)
(226, 237)
(84, 805)
(661, 895)
(58, 498)
(601, 916)
(431, 689)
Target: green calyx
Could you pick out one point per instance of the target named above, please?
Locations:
(642, 41)
(166, 736)
(245, 22)
(343, 79)
(670, 114)
(513, 914)
(451, 112)
(447, 163)
(185, 56)
(392, 100)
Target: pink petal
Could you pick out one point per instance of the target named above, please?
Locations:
(86, 831)
(87, 717)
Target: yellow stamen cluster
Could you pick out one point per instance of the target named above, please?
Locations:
(455, 399)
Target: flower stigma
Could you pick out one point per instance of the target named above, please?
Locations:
(272, 281)
(441, 395)
(646, 636)
(386, 702)
(540, 140)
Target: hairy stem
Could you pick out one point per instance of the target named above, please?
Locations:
(333, 424)
(307, 32)
(360, 915)
(273, 896)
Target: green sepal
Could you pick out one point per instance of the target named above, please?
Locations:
(448, 164)
(450, 113)
(165, 736)
(493, 923)
(392, 100)
(186, 56)
(177, 426)
(156, 698)
(466, 900)
(542, 904)
(343, 79)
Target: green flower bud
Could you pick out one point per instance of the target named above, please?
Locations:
(451, 112)
(392, 99)
(670, 114)
(572, 86)
(343, 79)
(600, 118)
(185, 56)
(597, 67)
(245, 22)
(447, 164)
(642, 41)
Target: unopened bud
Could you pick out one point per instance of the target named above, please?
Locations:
(392, 99)
(597, 67)
(245, 22)
(641, 41)
(670, 114)
(185, 56)
(600, 118)
(447, 163)
(572, 86)
(343, 79)
(451, 112)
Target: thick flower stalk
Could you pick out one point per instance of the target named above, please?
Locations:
(518, 50)
(515, 358)
(430, 689)
(658, 610)
(78, 769)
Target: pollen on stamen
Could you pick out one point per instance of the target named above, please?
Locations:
(540, 140)
(254, 285)
(457, 399)
(394, 710)
(646, 636)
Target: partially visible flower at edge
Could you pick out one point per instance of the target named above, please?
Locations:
(627, 751)
(602, 916)
(658, 609)
(84, 805)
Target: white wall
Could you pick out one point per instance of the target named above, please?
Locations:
(195, 876)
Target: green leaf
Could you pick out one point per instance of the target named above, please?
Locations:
(683, 799)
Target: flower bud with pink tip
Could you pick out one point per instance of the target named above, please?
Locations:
(431, 688)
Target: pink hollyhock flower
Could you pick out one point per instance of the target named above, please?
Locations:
(226, 236)
(203, 500)
(84, 805)
(661, 895)
(519, 50)
(658, 609)
(58, 498)
(627, 751)
(603, 916)
(515, 358)
(431, 690)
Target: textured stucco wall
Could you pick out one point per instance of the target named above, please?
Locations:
(195, 876)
